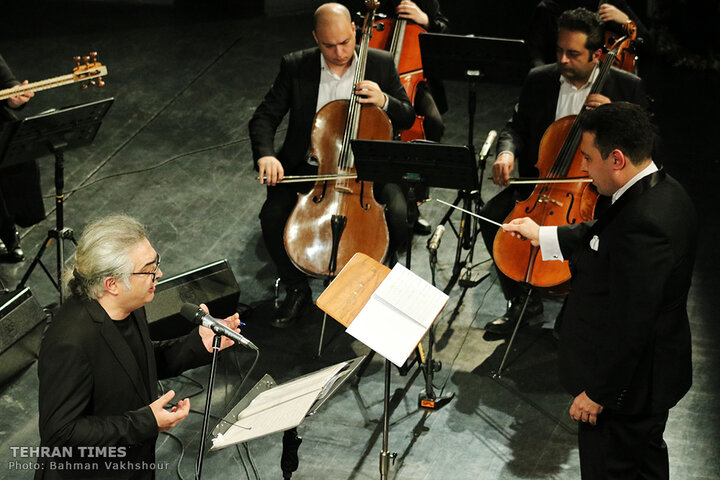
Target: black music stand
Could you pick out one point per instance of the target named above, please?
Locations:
(412, 164)
(471, 59)
(54, 132)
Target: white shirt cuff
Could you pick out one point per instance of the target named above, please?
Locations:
(387, 102)
(549, 244)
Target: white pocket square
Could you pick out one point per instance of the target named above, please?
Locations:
(595, 242)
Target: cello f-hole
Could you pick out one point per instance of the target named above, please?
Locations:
(568, 220)
(363, 205)
(317, 199)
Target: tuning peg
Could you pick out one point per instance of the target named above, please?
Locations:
(100, 82)
(93, 57)
(76, 59)
(83, 85)
(86, 59)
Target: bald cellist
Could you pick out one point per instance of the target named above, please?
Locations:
(550, 92)
(307, 81)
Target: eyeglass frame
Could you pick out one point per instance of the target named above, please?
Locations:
(154, 272)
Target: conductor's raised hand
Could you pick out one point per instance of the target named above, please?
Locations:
(270, 170)
(524, 229)
(167, 419)
(208, 335)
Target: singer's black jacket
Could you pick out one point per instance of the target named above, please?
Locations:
(92, 391)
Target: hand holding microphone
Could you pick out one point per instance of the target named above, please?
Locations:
(199, 316)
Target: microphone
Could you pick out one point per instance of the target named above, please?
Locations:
(434, 242)
(197, 315)
(492, 135)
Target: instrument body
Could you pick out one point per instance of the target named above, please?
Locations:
(552, 204)
(548, 205)
(340, 217)
(400, 38)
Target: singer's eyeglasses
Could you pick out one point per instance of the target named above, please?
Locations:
(154, 272)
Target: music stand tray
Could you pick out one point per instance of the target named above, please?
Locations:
(280, 408)
(457, 57)
(431, 164)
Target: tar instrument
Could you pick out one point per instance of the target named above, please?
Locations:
(340, 217)
(552, 204)
(88, 71)
(625, 57)
(400, 38)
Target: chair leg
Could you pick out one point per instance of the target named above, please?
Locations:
(498, 374)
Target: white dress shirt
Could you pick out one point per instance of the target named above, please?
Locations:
(549, 244)
(571, 99)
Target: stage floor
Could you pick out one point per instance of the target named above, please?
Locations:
(174, 152)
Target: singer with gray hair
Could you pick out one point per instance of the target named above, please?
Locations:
(100, 412)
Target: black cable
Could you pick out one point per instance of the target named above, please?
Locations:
(182, 453)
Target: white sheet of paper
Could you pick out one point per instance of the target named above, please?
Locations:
(398, 314)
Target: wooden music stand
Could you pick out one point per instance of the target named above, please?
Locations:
(346, 299)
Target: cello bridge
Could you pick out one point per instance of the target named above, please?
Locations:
(546, 199)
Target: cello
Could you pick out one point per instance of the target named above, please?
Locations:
(339, 216)
(400, 38)
(552, 204)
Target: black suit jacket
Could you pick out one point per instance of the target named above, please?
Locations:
(535, 111)
(92, 391)
(295, 90)
(625, 336)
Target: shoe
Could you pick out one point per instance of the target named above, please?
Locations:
(422, 227)
(505, 324)
(296, 302)
(14, 253)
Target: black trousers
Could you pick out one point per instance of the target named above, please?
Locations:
(280, 202)
(624, 447)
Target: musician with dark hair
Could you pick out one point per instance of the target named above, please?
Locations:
(550, 92)
(625, 351)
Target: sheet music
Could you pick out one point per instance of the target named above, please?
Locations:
(278, 409)
(398, 314)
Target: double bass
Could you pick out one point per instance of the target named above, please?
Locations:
(400, 38)
(339, 216)
(551, 203)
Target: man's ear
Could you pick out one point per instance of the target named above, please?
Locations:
(596, 55)
(315, 37)
(619, 160)
(111, 285)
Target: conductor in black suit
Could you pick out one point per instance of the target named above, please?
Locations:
(99, 408)
(549, 93)
(308, 80)
(625, 337)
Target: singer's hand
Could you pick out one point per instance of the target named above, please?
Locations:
(502, 168)
(208, 335)
(168, 419)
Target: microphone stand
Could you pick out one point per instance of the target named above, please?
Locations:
(208, 400)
